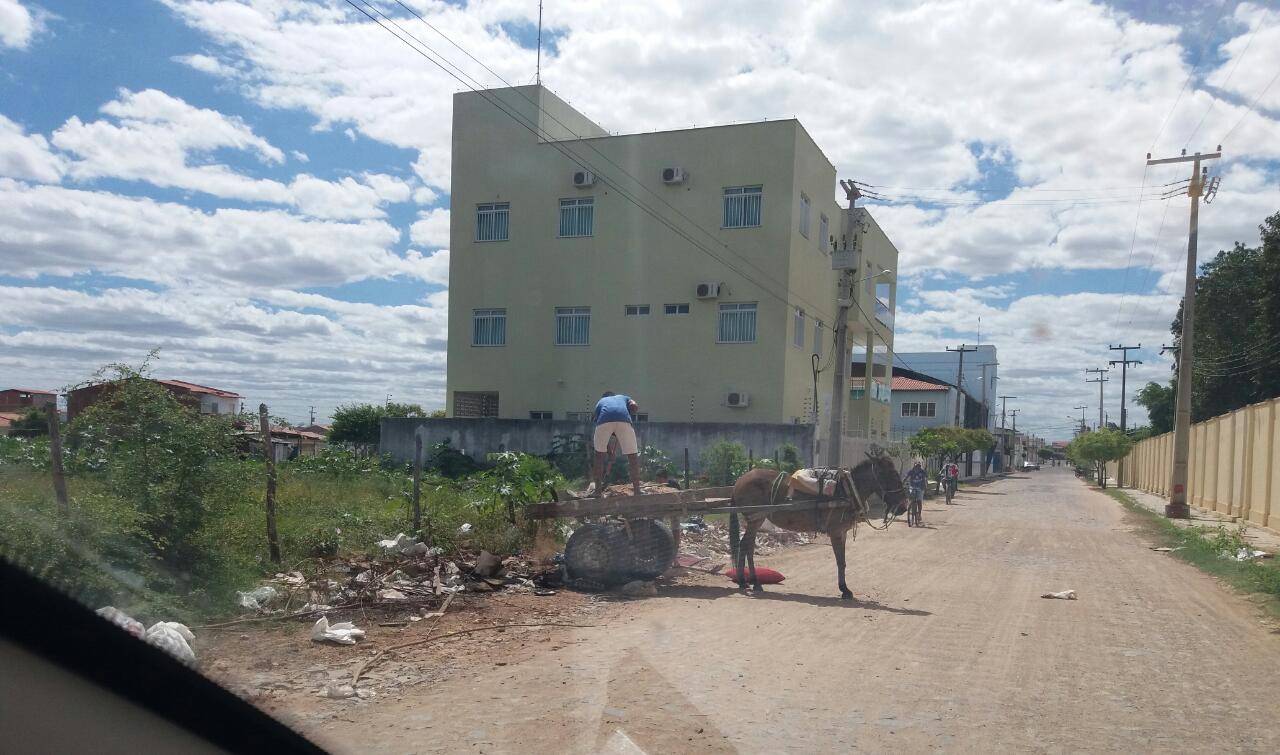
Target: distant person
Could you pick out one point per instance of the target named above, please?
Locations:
(613, 415)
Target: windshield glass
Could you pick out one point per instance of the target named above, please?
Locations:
(521, 375)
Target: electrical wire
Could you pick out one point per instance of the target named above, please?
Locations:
(1146, 274)
(1133, 240)
(1214, 100)
(1222, 7)
(1250, 108)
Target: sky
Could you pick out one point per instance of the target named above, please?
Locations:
(260, 188)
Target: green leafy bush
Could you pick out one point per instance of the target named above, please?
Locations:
(724, 462)
(569, 454)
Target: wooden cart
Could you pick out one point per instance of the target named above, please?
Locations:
(621, 538)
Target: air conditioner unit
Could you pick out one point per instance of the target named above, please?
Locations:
(708, 290)
(673, 175)
(737, 400)
(584, 179)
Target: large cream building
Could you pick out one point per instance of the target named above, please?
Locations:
(690, 269)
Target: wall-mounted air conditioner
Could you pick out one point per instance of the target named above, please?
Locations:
(584, 179)
(708, 290)
(674, 175)
(737, 400)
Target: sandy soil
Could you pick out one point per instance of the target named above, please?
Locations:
(949, 647)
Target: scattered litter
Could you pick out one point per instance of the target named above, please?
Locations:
(487, 565)
(1063, 595)
(1166, 549)
(122, 620)
(391, 594)
(544, 593)
(1244, 554)
(315, 607)
(258, 598)
(639, 589)
(173, 638)
(464, 529)
(343, 633)
(292, 579)
(338, 691)
(407, 546)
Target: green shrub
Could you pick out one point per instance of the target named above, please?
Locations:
(724, 462)
(569, 454)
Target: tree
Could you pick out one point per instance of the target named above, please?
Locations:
(362, 423)
(1237, 347)
(31, 424)
(1097, 448)
(940, 443)
(1158, 400)
(1045, 453)
(724, 462)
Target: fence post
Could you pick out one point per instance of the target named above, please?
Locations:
(686, 467)
(751, 458)
(273, 538)
(55, 459)
(417, 482)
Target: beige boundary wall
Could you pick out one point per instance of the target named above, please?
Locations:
(1234, 464)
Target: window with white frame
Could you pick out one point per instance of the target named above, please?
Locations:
(493, 221)
(797, 328)
(804, 215)
(579, 416)
(573, 326)
(824, 235)
(488, 327)
(540, 415)
(737, 323)
(577, 217)
(817, 336)
(675, 309)
(742, 206)
(636, 310)
(919, 408)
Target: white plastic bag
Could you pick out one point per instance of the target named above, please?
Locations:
(257, 598)
(343, 633)
(173, 638)
(122, 620)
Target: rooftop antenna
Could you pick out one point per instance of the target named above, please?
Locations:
(538, 74)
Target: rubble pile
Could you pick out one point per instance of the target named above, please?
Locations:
(705, 539)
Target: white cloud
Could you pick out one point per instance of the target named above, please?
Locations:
(27, 156)
(17, 25)
(299, 156)
(61, 231)
(208, 64)
(431, 229)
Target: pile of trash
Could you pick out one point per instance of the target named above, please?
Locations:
(407, 573)
(170, 636)
(704, 539)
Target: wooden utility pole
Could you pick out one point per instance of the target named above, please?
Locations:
(273, 537)
(960, 378)
(1177, 507)
(417, 483)
(55, 459)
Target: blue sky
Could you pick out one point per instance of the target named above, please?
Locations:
(260, 189)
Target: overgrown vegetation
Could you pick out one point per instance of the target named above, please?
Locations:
(943, 444)
(1211, 550)
(362, 423)
(724, 462)
(1095, 449)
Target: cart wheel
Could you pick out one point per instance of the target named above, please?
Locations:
(652, 548)
(597, 552)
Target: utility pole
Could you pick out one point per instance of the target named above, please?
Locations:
(313, 415)
(1015, 425)
(960, 377)
(1177, 507)
(1100, 380)
(848, 265)
(1082, 408)
(1004, 437)
(1124, 370)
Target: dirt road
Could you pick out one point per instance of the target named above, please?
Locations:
(949, 647)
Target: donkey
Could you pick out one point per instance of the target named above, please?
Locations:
(877, 475)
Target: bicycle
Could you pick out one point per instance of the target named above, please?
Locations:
(915, 506)
(949, 488)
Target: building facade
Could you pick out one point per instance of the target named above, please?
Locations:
(979, 383)
(201, 398)
(690, 269)
(20, 400)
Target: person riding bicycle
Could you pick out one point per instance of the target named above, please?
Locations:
(951, 478)
(916, 480)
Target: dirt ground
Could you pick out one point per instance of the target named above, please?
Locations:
(948, 647)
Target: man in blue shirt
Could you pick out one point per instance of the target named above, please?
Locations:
(613, 419)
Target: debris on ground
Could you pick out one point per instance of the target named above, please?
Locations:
(343, 633)
(1245, 554)
(338, 691)
(173, 638)
(122, 620)
(487, 565)
(764, 575)
(258, 598)
(704, 539)
(1166, 549)
(639, 589)
(1063, 595)
(405, 545)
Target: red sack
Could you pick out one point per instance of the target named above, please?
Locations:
(766, 576)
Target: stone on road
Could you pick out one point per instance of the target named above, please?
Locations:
(949, 647)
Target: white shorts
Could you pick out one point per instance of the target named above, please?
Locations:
(626, 437)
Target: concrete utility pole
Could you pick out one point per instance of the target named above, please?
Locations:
(1004, 438)
(313, 415)
(849, 265)
(1082, 408)
(1124, 417)
(960, 377)
(1100, 380)
(1177, 507)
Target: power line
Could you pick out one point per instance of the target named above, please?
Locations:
(1222, 6)
(577, 158)
(1214, 100)
(560, 147)
(1249, 108)
(952, 189)
(1137, 216)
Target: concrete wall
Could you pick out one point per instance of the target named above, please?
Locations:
(671, 364)
(478, 437)
(1234, 464)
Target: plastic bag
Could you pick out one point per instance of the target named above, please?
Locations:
(257, 598)
(343, 633)
(122, 620)
(173, 638)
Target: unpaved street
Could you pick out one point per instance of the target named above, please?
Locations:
(949, 647)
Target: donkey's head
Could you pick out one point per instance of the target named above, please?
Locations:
(879, 475)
